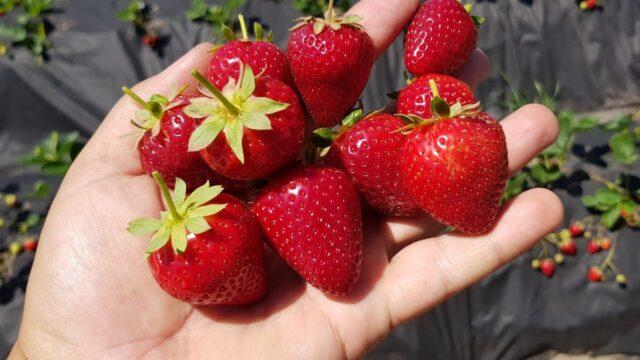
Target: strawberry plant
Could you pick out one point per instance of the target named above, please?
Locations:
(55, 154)
(549, 166)
(21, 223)
(31, 27)
(215, 15)
(139, 14)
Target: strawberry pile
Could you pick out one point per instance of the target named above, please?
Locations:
(245, 127)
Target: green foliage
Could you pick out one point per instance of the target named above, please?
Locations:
(29, 29)
(612, 201)
(216, 15)
(515, 99)
(41, 189)
(623, 147)
(318, 7)
(133, 11)
(55, 154)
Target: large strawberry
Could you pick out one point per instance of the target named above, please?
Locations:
(455, 165)
(415, 99)
(262, 122)
(206, 249)
(331, 60)
(368, 149)
(311, 216)
(440, 37)
(163, 143)
(261, 55)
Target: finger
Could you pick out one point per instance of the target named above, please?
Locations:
(528, 131)
(112, 150)
(383, 20)
(427, 272)
(476, 70)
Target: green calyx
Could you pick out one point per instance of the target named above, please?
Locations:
(258, 31)
(477, 20)
(229, 111)
(440, 110)
(186, 216)
(148, 118)
(330, 20)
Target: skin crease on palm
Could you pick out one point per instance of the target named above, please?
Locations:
(90, 295)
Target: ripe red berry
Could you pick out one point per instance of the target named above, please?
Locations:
(261, 55)
(30, 244)
(576, 229)
(568, 248)
(595, 274)
(593, 247)
(440, 38)
(311, 217)
(150, 40)
(369, 152)
(445, 164)
(416, 98)
(548, 267)
(206, 248)
(251, 129)
(163, 143)
(331, 60)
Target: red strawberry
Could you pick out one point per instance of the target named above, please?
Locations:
(440, 37)
(568, 247)
(595, 274)
(369, 152)
(206, 249)
(163, 145)
(262, 122)
(261, 55)
(455, 166)
(150, 40)
(331, 60)
(416, 98)
(30, 244)
(576, 229)
(311, 216)
(547, 267)
(593, 247)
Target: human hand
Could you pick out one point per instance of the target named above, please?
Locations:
(90, 296)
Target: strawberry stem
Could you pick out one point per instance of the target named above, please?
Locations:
(243, 27)
(434, 88)
(135, 97)
(330, 14)
(204, 82)
(167, 195)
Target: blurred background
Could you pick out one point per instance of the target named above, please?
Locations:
(63, 63)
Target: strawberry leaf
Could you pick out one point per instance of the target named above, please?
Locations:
(144, 226)
(159, 239)
(247, 84)
(206, 133)
(263, 105)
(610, 218)
(185, 216)
(234, 132)
(203, 194)
(179, 192)
(201, 107)
(255, 121)
(197, 225)
(179, 238)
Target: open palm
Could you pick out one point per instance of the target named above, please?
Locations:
(91, 295)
